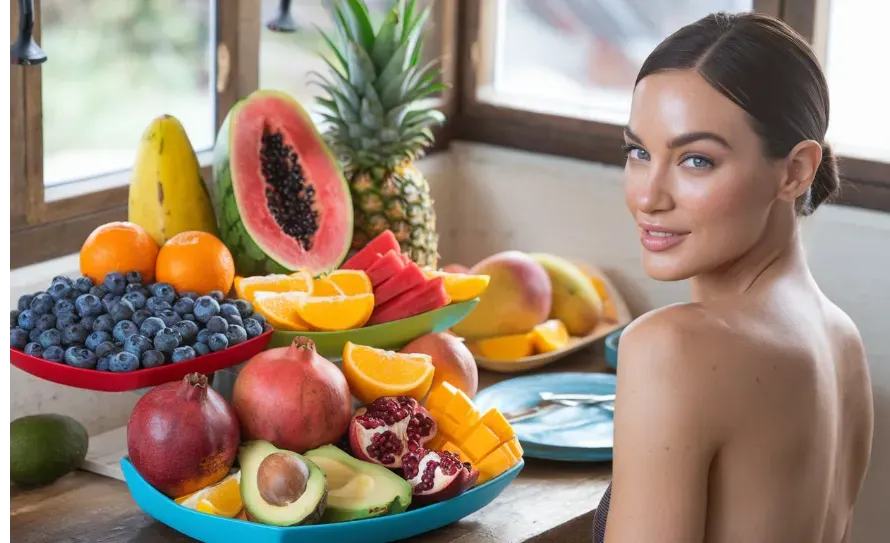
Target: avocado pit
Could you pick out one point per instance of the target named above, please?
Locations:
(281, 479)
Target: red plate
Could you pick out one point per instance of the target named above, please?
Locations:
(106, 381)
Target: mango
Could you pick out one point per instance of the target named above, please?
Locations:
(575, 300)
(518, 297)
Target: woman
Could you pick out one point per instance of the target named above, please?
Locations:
(745, 415)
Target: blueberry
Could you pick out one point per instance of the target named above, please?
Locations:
(155, 305)
(88, 304)
(80, 357)
(181, 354)
(50, 337)
(82, 284)
(64, 279)
(137, 344)
(124, 329)
(138, 287)
(203, 336)
(25, 301)
(259, 318)
(109, 300)
(164, 291)
(184, 305)
(151, 326)
(252, 327)
(18, 338)
(188, 330)
(140, 316)
(205, 308)
(136, 299)
(236, 334)
(121, 311)
(217, 325)
(201, 349)
(14, 316)
(54, 353)
(94, 339)
(99, 291)
(105, 348)
(59, 290)
(228, 309)
(102, 364)
(244, 308)
(103, 323)
(152, 358)
(167, 339)
(234, 319)
(123, 361)
(66, 319)
(34, 349)
(34, 335)
(74, 334)
(42, 303)
(27, 320)
(115, 283)
(218, 342)
(88, 321)
(63, 307)
(134, 277)
(188, 317)
(229, 301)
(217, 295)
(169, 316)
(190, 295)
(45, 322)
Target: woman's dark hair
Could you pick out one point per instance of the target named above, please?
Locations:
(769, 70)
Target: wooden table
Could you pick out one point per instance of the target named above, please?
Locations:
(548, 501)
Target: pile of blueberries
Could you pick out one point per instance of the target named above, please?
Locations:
(124, 325)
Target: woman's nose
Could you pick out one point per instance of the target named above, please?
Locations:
(652, 192)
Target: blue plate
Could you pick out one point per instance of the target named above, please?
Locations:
(213, 529)
(612, 348)
(581, 434)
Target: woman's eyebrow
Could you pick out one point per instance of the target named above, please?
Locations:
(683, 139)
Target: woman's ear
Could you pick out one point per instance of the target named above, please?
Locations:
(802, 163)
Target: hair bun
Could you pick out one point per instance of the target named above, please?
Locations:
(826, 183)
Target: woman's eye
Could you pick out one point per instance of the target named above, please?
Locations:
(698, 162)
(637, 153)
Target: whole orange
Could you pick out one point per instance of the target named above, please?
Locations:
(195, 262)
(452, 359)
(118, 246)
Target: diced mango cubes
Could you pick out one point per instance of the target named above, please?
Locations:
(485, 440)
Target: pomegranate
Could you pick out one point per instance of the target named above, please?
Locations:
(391, 426)
(182, 436)
(292, 397)
(436, 475)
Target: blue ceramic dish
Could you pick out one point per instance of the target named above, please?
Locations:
(612, 348)
(213, 529)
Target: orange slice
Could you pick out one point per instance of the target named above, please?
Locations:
(280, 309)
(461, 286)
(550, 336)
(245, 287)
(222, 499)
(343, 282)
(507, 348)
(373, 373)
(331, 313)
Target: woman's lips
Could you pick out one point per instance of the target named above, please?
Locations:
(657, 239)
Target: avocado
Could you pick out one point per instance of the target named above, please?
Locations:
(45, 447)
(359, 489)
(279, 487)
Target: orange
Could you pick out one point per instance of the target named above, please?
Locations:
(245, 287)
(461, 286)
(373, 373)
(118, 246)
(280, 309)
(221, 499)
(550, 336)
(195, 262)
(330, 313)
(340, 282)
(508, 348)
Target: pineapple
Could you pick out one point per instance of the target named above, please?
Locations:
(377, 125)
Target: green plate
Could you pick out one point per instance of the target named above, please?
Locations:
(389, 335)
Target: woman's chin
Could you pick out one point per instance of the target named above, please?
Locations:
(661, 268)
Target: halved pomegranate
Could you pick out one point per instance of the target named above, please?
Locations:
(391, 426)
(436, 475)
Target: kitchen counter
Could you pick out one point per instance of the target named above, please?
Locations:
(548, 501)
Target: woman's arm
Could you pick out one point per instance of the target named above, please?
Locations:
(665, 430)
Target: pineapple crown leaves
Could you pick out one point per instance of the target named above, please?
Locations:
(374, 84)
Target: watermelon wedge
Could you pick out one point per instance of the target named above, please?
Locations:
(385, 267)
(368, 255)
(406, 279)
(426, 297)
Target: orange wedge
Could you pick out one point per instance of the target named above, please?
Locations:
(461, 286)
(245, 287)
(222, 499)
(331, 313)
(550, 336)
(280, 309)
(373, 373)
(507, 348)
(343, 282)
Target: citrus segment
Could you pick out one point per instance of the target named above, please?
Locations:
(322, 286)
(373, 373)
(507, 348)
(245, 287)
(550, 336)
(221, 499)
(461, 286)
(348, 282)
(280, 309)
(330, 313)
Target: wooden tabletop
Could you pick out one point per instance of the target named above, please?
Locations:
(548, 501)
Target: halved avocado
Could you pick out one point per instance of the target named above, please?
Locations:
(279, 487)
(358, 489)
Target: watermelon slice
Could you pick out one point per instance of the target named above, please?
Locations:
(380, 245)
(406, 279)
(426, 297)
(406, 259)
(385, 267)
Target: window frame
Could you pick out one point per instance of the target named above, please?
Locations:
(865, 183)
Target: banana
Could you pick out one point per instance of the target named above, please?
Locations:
(167, 193)
(575, 300)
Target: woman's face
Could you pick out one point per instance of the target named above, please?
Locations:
(697, 181)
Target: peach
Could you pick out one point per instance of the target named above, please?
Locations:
(518, 297)
(455, 268)
(452, 359)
